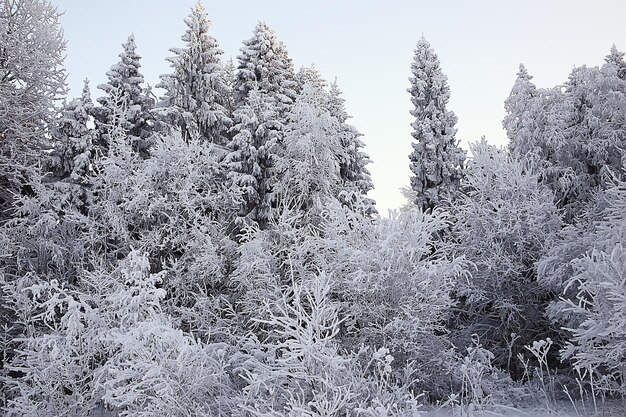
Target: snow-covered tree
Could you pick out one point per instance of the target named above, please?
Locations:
(32, 79)
(75, 138)
(31, 75)
(522, 110)
(254, 147)
(616, 58)
(574, 133)
(590, 153)
(505, 222)
(308, 170)
(354, 161)
(125, 90)
(265, 65)
(311, 76)
(197, 92)
(436, 160)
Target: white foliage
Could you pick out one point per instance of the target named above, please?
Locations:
(595, 315)
(32, 77)
(264, 64)
(110, 343)
(197, 92)
(436, 160)
(505, 221)
(253, 154)
(126, 104)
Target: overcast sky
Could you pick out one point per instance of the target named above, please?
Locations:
(368, 46)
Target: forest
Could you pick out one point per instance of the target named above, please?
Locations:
(213, 251)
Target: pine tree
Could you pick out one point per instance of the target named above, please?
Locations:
(436, 160)
(265, 65)
(197, 92)
(124, 90)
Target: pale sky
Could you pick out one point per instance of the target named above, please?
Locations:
(368, 46)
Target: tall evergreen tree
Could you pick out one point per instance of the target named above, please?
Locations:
(521, 107)
(197, 92)
(265, 65)
(436, 160)
(125, 91)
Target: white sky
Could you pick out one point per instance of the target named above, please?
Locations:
(368, 46)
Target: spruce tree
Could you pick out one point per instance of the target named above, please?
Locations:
(75, 138)
(125, 90)
(197, 92)
(616, 58)
(436, 160)
(253, 154)
(265, 65)
(521, 107)
(352, 166)
(312, 77)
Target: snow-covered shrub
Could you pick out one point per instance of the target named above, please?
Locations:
(393, 280)
(302, 369)
(110, 343)
(586, 268)
(158, 370)
(595, 315)
(56, 366)
(504, 224)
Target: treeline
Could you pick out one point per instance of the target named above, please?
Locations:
(213, 251)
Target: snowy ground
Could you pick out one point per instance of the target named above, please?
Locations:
(562, 409)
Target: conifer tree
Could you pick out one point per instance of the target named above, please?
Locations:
(253, 155)
(616, 57)
(312, 77)
(590, 149)
(125, 90)
(521, 110)
(265, 65)
(436, 160)
(197, 92)
(75, 138)
(352, 167)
